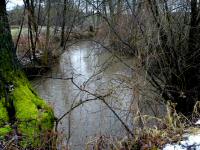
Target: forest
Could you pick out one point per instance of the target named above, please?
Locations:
(99, 74)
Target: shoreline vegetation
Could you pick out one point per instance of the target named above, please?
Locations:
(38, 68)
(170, 130)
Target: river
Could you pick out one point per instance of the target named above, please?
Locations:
(98, 71)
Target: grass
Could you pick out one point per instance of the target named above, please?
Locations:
(15, 31)
(170, 129)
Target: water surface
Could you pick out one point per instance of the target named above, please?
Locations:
(100, 73)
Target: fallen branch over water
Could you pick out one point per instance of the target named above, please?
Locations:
(96, 97)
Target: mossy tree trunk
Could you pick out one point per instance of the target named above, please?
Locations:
(6, 41)
(20, 107)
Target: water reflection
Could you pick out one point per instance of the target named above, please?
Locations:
(98, 71)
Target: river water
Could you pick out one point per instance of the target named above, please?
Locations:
(95, 70)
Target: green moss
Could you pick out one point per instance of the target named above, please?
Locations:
(34, 115)
(4, 131)
(24, 107)
(30, 130)
(3, 113)
(46, 120)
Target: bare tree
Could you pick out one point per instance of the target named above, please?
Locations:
(46, 52)
(63, 23)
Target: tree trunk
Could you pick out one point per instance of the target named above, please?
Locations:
(63, 24)
(133, 6)
(86, 7)
(19, 104)
(111, 9)
(46, 52)
(32, 25)
(104, 9)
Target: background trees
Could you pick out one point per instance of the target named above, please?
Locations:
(161, 37)
(163, 34)
(177, 67)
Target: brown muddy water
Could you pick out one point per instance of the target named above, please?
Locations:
(99, 72)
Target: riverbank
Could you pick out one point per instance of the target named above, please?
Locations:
(89, 66)
(43, 62)
(85, 69)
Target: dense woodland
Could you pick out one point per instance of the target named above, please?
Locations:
(162, 37)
